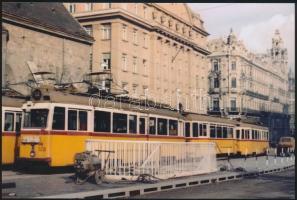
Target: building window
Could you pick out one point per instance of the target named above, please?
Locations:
(89, 6)
(106, 31)
(124, 32)
(216, 66)
(59, 118)
(119, 123)
(125, 86)
(233, 83)
(102, 121)
(233, 104)
(106, 64)
(145, 12)
(124, 62)
(72, 7)
(145, 66)
(145, 91)
(89, 30)
(135, 39)
(136, 8)
(216, 83)
(134, 90)
(106, 5)
(134, 64)
(216, 104)
(233, 65)
(145, 40)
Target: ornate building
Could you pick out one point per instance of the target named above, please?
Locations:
(292, 101)
(244, 84)
(152, 50)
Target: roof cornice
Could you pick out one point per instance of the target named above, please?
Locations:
(114, 13)
(22, 21)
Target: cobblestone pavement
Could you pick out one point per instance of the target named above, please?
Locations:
(277, 186)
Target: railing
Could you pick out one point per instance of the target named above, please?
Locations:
(159, 159)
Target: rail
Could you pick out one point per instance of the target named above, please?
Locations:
(162, 160)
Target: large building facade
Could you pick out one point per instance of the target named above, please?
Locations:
(292, 102)
(156, 51)
(43, 38)
(244, 84)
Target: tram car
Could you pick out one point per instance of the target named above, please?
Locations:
(230, 136)
(56, 125)
(11, 125)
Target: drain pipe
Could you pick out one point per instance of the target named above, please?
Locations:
(5, 39)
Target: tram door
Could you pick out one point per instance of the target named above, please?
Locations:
(18, 121)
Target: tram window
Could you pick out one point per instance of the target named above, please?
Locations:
(230, 133)
(152, 126)
(247, 134)
(119, 123)
(36, 118)
(59, 119)
(142, 125)
(224, 132)
(242, 134)
(212, 131)
(253, 134)
(83, 120)
(132, 124)
(219, 132)
(204, 130)
(162, 126)
(187, 129)
(237, 134)
(18, 122)
(172, 127)
(72, 120)
(195, 129)
(9, 122)
(102, 121)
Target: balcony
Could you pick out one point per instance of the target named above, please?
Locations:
(214, 110)
(214, 90)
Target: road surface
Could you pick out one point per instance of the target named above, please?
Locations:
(276, 185)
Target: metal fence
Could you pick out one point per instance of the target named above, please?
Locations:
(159, 159)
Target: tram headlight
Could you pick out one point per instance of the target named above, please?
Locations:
(36, 94)
(32, 154)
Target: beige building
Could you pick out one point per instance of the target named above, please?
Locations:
(43, 38)
(152, 50)
(292, 101)
(246, 84)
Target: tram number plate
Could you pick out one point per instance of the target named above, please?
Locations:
(41, 148)
(31, 139)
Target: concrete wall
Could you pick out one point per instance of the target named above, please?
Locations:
(49, 53)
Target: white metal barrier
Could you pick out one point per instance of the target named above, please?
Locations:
(160, 159)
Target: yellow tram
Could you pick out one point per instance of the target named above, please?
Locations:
(11, 125)
(55, 127)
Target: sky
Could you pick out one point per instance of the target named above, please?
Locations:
(254, 23)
